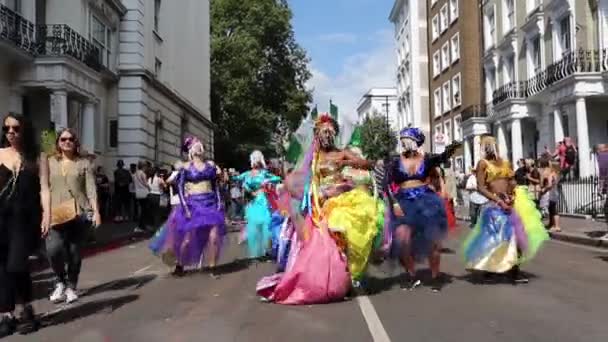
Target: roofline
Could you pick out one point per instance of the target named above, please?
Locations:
(393, 15)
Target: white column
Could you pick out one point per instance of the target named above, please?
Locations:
(503, 151)
(15, 101)
(88, 127)
(476, 150)
(467, 155)
(558, 126)
(582, 138)
(59, 109)
(516, 141)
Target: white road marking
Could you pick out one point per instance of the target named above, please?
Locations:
(374, 324)
(142, 270)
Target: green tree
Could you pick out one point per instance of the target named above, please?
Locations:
(376, 137)
(258, 76)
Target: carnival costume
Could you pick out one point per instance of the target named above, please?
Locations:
(424, 210)
(335, 234)
(184, 237)
(503, 240)
(258, 231)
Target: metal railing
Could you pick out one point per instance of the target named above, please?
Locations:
(582, 61)
(582, 197)
(474, 111)
(61, 40)
(17, 30)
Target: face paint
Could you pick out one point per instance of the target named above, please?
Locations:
(409, 145)
(327, 137)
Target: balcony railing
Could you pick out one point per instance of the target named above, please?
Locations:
(582, 61)
(61, 40)
(17, 30)
(474, 111)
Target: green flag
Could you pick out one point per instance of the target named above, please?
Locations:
(314, 113)
(333, 110)
(294, 150)
(355, 138)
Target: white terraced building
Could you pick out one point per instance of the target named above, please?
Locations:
(546, 74)
(131, 76)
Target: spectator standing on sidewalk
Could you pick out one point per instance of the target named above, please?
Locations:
(451, 184)
(156, 185)
(103, 192)
(142, 190)
(551, 188)
(476, 199)
(74, 208)
(602, 160)
(122, 181)
(236, 205)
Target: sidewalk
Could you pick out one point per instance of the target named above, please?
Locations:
(574, 230)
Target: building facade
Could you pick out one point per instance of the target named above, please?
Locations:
(380, 101)
(110, 72)
(545, 66)
(409, 20)
(455, 70)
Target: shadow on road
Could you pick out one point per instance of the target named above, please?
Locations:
(486, 278)
(596, 234)
(70, 314)
(116, 285)
(603, 258)
(377, 285)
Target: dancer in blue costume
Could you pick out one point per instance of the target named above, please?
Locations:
(257, 212)
(198, 222)
(417, 234)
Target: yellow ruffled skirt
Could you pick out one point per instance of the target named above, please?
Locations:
(355, 215)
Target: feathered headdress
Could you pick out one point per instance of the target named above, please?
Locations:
(326, 118)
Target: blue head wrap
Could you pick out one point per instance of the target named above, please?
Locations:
(413, 133)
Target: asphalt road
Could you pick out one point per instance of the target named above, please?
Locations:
(127, 296)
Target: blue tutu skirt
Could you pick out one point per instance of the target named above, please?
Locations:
(425, 216)
(182, 240)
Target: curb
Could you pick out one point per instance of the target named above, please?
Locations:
(579, 240)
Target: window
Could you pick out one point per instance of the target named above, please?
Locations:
(510, 11)
(456, 96)
(535, 54)
(490, 28)
(448, 131)
(437, 101)
(157, 15)
(455, 45)
(445, 56)
(101, 36)
(436, 63)
(453, 10)
(113, 136)
(509, 68)
(435, 27)
(458, 128)
(447, 97)
(438, 129)
(158, 65)
(564, 35)
(444, 18)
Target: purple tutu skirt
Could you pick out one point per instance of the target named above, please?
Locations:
(184, 240)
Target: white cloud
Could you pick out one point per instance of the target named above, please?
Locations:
(360, 72)
(338, 38)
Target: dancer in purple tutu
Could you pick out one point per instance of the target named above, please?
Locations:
(195, 228)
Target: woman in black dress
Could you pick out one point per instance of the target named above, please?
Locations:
(24, 217)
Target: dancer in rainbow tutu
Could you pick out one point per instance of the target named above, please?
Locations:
(196, 227)
(509, 231)
(336, 220)
(258, 214)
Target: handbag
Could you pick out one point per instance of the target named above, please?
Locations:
(65, 211)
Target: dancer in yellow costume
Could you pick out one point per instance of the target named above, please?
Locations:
(509, 231)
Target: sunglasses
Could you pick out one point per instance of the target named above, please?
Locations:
(70, 139)
(7, 128)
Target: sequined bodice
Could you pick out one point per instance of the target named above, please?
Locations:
(193, 175)
(498, 170)
(253, 182)
(401, 174)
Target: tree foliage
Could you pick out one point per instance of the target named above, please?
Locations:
(258, 76)
(376, 137)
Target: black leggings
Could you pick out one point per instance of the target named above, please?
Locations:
(15, 287)
(142, 220)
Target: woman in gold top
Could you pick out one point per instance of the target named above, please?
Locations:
(509, 231)
(72, 184)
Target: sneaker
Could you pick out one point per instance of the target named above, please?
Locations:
(436, 285)
(58, 294)
(70, 296)
(27, 321)
(410, 284)
(8, 325)
(138, 230)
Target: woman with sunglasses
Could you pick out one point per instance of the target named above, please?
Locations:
(74, 199)
(24, 216)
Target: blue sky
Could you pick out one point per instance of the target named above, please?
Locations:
(350, 43)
